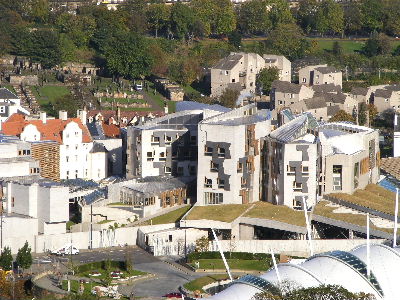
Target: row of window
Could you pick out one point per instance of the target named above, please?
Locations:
(67, 158)
(169, 139)
(150, 155)
(34, 170)
(24, 152)
(213, 198)
(208, 183)
(209, 150)
(129, 198)
(292, 170)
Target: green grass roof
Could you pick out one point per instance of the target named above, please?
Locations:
(223, 213)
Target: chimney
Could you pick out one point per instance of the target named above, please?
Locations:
(166, 108)
(62, 115)
(43, 117)
(82, 114)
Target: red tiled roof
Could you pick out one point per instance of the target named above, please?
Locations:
(51, 131)
(111, 130)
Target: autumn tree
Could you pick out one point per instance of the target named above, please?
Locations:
(202, 244)
(329, 17)
(253, 17)
(158, 15)
(229, 98)
(342, 116)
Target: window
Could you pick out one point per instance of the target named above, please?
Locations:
(214, 167)
(207, 182)
(67, 158)
(337, 177)
(305, 169)
(239, 167)
(162, 156)
(170, 238)
(291, 170)
(233, 79)
(221, 183)
(67, 147)
(386, 100)
(76, 174)
(76, 147)
(150, 156)
(297, 186)
(192, 170)
(213, 198)
(304, 79)
(2, 109)
(167, 170)
(193, 140)
(180, 170)
(155, 139)
(168, 139)
(243, 182)
(226, 72)
(12, 201)
(221, 152)
(67, 174)
(297, 204)
(280, 102)
(291, 96)
(207, 151)
(76, 157)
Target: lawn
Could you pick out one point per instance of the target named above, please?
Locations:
(198, 283)
(223, 213)
(49, 93)
(123, 100)
(349, 46)
(171, 217)
(281, 213)
(237, 264)
(373, 197)
(75, 286)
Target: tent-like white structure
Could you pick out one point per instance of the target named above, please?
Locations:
(347, 269)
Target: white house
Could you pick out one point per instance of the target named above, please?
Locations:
(10, 104)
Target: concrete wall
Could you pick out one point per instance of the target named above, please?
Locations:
(289, 247)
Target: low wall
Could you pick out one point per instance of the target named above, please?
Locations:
(289, 247)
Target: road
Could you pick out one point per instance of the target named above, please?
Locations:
(167, 277)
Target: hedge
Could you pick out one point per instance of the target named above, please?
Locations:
(100, 265)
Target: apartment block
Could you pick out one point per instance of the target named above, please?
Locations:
(237, 71)
(281, 63)
(319, 75)
(229, 156)
(283, 94)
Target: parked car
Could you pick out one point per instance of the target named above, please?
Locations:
(66, 250)
(173, 295)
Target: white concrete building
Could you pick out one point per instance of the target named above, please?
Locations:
(229, 156)
(10, 104)
(76, 155)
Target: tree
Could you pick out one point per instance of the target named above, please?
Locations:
(24, 257)
(373, 112)
(185, 69)
(362, 114)
(157, 17)
(182, 20)
(107, 279)
(372, 15)
(128, 261)
(352, 18)
(307, 14)
(329, 17)
(202, 244)
(265, 78)
(39, 10)
(280, 13)
(253, 17)
(342, 116)
(127, 55)
(68, 103)
(289, 40)
(6, 259)
(136, 14)
(45, 48)
(229, 98)
(377, 44)
(392, 20)
(337, 49)
(235, 39)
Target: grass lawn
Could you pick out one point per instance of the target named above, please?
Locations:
(349, 46)
(281, 213)
(123, 100)
(171, 217)
(49, 93)
(75, 286)
(223, 213)
(239, 264)
(374, 197)
(198, 283)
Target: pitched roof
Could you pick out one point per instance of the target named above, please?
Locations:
(98, 148)
(228, 62)
(383, 93)
(391, 166)
(314, 103)
(359, 91)
(334, 98)
(326, 88)
(327, 70)
(286, 87)
(332, 110)
(111, 130)
(6, 94)
(50, 131)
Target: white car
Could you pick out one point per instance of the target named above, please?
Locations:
(66, 250)
(139, 87)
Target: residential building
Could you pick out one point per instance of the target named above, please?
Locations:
(120, 118)
(343, 101)
(350, 157)
(320, 74)
(290, 163)
(387, 97)
(316, 105)
(164, 146)
(237, 71)
(362, 95)
(16, 158)
(10, 104)
(283, 94)
(229, 156)
(75, 154)
(281, 63)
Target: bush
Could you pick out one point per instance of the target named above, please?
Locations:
(101, 265)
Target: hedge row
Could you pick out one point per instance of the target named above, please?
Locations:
(101, 265)
(234, 255)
